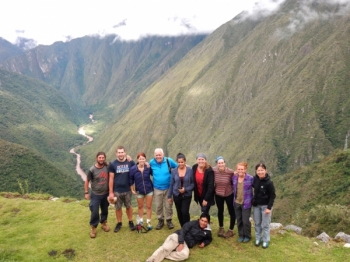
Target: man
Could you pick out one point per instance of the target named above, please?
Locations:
(161, 166)
(119, 187)
(176, 246)
(98, 177)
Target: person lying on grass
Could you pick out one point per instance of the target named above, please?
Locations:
(176, 246)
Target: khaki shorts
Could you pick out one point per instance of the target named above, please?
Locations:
(123, 198)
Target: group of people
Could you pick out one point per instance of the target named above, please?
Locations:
(163, 181)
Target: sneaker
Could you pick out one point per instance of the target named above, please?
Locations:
(246, 240)
(257, 242)
(265, 245)
(221, 232)
(240, 239)
(229, 233)
(160, 224)
(149, 226)
(170, 224)
(118, 227)
(132, 226)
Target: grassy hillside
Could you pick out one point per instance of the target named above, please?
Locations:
(316, 197)
(24, 171)
(37, 117)
(249, 92)
(42, 230)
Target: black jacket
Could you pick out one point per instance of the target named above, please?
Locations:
(264, 191)
(208, 186)
(192, 234)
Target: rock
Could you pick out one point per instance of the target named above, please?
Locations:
(347, 245)
(294, 228)
(323, 237)
(281, 232)
(275, 226)
(316, 244)
(341, 236)
(54, 198)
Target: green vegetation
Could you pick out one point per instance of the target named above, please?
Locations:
(42, 230)
(25, 172)
(316, 197)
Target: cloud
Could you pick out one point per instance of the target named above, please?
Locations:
(25, 43)
(122, 23)
(308, 11)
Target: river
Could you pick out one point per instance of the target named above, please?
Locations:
(78, 168)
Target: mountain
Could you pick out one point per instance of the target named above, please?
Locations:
(254, 90)
(24, 171)
(41, 120)
(8, 50)
(95, 71)
(316, 197)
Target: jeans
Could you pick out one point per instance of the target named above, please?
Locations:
(262, 223)
(182, 205)
(97, 201)
(220, 201)
(243, 222)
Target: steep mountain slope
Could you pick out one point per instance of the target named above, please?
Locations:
(24, 171)
(39, 118)
(326, 183)
(253, 90)
(94, 71)
(8, 50)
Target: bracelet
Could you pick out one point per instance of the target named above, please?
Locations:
(86, 192)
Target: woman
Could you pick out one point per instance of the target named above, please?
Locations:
(242, 201)
(224, 193)
(203, 183)
(181, 187)
(264, 196)
(140, 175)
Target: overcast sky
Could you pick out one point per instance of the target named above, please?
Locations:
(48, 21)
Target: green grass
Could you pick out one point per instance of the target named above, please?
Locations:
(31, 230)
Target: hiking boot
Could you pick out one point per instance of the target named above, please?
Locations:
(93, 232)
(240, 239)
(118, 227)
(257, 242)
(229, 233)
(160, 224)
(149, 226)
(221, 232)
(105, 227)
(170, 224)
(132, 226)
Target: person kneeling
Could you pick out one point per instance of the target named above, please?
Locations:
(176, 246)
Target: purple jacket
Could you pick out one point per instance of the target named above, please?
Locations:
(247, 188)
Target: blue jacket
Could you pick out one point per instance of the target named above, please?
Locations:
(175, 183)
(143, 182)
(161, 174)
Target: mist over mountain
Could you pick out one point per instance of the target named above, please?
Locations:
(8, 50)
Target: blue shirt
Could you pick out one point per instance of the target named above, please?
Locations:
(161, 175)
(121, 175)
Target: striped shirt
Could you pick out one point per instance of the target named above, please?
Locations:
(223, 181)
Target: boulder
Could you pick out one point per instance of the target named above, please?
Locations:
(341, 236)
(323, 237)
(275, 226)
(294, 228)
